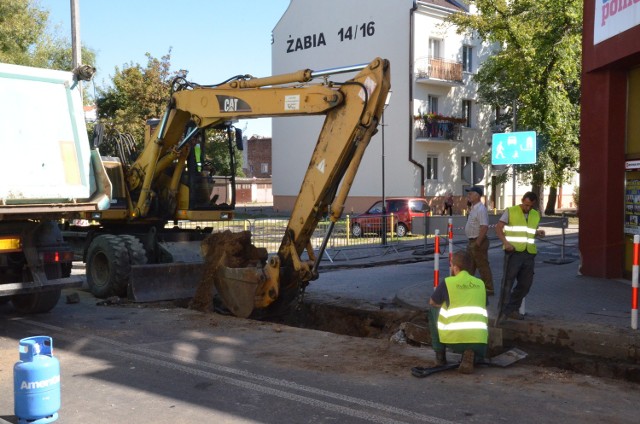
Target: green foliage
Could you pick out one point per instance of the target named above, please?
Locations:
(24, 39)
(217, 153)
(534, 67)
(137, 94)
(22, 24)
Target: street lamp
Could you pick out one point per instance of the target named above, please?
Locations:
(384, 202)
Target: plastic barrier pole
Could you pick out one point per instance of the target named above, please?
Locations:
(436, 260)
(634, 283)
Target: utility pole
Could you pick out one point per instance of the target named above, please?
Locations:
(513, 178)
(75, 33)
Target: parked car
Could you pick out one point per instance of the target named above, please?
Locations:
(404, 209)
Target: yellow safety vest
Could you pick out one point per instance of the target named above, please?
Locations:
(465, 319)
(198, 155)
(520, 231)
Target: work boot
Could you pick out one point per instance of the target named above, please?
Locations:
(441, 357)
(466, 365)
(515, 315)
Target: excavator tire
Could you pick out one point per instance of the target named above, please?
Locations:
(39, 302)
(137, 256)
(108, 266)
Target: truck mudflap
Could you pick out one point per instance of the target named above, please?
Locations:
(10, 289)
(166, 281)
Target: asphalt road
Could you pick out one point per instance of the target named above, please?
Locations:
(162, 364)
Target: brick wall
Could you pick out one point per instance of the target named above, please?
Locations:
(258, 157)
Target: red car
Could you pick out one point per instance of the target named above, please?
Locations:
(403, 210)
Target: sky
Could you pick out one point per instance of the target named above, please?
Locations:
(212, 39)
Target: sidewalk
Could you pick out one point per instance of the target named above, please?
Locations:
(564, 310)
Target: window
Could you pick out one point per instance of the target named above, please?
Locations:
(434, 48)
(264, 168)
(467, 58)
(464, 160)
(432, 104)
(466, 112)
(432, 167)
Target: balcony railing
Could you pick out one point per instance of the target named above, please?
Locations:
(438, 130)
(437, 68)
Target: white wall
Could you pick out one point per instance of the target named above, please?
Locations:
(295, 138)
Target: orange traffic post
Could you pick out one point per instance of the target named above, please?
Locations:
(634, 283)
(436, 260)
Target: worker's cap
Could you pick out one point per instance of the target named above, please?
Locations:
(476, 189)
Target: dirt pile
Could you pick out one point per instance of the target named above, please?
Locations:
(225, 249)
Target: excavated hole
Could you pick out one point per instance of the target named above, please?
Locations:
(385, 319)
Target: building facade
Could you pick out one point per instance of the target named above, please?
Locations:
(610, 136)
(434, 125)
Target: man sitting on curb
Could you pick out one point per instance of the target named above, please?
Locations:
(458, 315)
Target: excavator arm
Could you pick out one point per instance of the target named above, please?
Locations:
(345, 135)
(244, 277)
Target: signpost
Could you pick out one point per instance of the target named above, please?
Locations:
(515, 148)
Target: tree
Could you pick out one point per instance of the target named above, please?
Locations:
(535, 69)
(24, 39)
(218, 154)
(137, 94)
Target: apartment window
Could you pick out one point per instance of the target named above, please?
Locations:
(467, 58)
(464, 161)
(432, 167)
(434, 48)
(466, 112)
(264, 168)
(432, 104)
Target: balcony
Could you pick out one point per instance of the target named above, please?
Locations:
(433, 127)
(438, 71)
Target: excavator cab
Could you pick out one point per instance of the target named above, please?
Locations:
(210, 178)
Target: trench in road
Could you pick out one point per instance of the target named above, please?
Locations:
(382, 321)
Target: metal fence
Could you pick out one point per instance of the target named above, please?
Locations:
(268, 232)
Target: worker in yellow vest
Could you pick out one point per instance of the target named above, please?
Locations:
(458, 315)
(518, 229)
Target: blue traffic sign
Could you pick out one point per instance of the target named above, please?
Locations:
(515, 148)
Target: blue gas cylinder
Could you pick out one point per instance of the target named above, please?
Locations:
(36, 382)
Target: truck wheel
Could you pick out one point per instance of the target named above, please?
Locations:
(39, 302)
(108, 266)
(36, 303)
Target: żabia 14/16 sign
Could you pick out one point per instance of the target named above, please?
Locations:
(515, 148)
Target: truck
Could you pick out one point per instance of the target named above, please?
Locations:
(133, 250)
(49, 173)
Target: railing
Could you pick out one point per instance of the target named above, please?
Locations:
(439, 130)
(268, 232)
(438, 68)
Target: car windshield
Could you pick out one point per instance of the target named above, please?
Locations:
(376, 208)
(418, 205)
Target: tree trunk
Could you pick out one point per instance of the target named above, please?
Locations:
(538, 189)
(551, 201)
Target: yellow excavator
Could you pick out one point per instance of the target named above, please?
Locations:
(131, 251)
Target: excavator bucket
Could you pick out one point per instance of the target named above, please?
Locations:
(233, 269)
